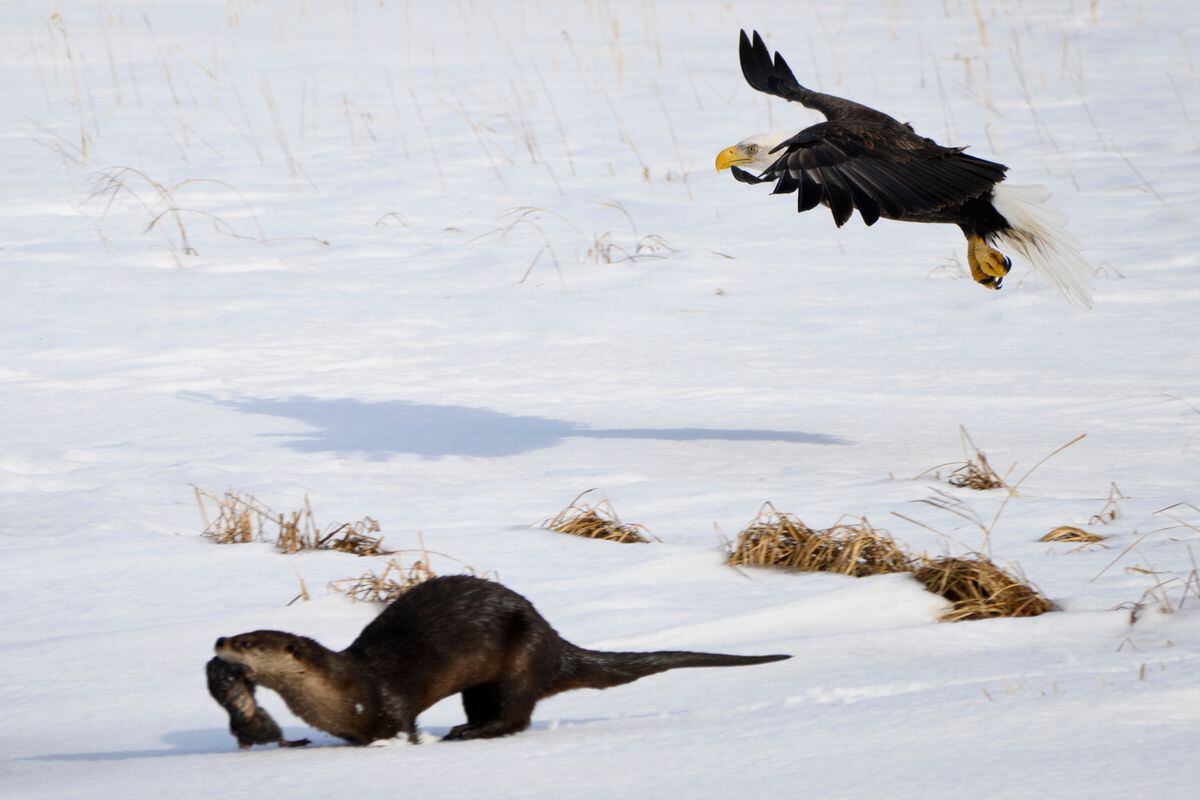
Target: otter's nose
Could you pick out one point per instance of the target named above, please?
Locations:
(220, 642)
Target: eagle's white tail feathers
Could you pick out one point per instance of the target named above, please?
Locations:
(1039, 235)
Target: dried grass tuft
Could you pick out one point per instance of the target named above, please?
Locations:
(979, 589)
(603, 250)
(231, 518)
(234, 518)
(850, 547)
(1069, 533)
(297, 531)
(596, 521)
(355, 537)
(955, 505)
(974, 472)
(386, 586)
(1159, 596)
(396, 579)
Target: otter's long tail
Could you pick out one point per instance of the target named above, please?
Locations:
(1039, 235)
(598, 669)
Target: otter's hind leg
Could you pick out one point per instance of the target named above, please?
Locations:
(482, 706)
(495, 709)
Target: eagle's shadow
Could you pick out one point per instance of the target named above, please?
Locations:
(386, 428)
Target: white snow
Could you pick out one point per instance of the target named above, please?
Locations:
(393, 297)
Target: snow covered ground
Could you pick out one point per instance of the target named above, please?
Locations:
(385, 254)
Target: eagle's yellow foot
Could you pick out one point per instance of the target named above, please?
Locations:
(988, 266)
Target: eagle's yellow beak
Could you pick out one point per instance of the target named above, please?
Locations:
(730, 157)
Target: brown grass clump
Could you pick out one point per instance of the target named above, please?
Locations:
(972, 473)
(979, 589)
(356, 538)
(596, 521)
(233, 518)
(297, 531)
(1069, 533)
(976, 473)
(855, 548)
(948, 502)
(396, 579)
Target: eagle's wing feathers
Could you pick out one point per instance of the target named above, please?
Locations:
(774, 77)
(882, 170)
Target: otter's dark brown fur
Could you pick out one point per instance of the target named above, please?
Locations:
(445, 636)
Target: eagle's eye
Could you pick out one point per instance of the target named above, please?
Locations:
(751, 149)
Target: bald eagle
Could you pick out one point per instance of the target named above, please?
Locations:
(860, 158)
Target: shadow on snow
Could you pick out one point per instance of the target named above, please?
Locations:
(390, 427)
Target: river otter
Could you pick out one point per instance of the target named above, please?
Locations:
(447, 635)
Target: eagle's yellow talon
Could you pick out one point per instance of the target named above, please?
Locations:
(988, 266)
(992, 263)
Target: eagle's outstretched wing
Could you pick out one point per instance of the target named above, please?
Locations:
(861, 158)
(775, 77)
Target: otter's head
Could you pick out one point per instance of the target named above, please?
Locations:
(268, 656)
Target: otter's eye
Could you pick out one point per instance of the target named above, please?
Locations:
(752, 149)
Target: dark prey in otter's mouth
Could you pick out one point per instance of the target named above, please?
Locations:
(232, 685)
(446, 636)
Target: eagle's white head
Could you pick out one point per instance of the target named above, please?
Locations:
(753, 154)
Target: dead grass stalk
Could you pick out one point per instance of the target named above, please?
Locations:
(1111, 510)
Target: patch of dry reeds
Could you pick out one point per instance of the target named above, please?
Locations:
(396, 578)
(955, 505)
(236, 518)
(1159, 595)
(596, 521)
(355, 537)
(231, 518)
(850, 547)
(297, 531)
(974, 472)
(978, 589)
(386, 586)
